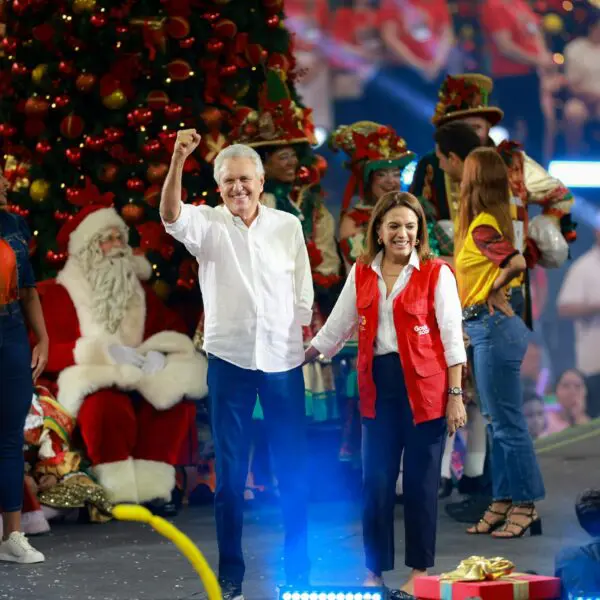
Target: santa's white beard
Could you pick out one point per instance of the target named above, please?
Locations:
(113, 281)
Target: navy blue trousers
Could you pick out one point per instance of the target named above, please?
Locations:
(233, 393)
(16, 391)
(384, 438)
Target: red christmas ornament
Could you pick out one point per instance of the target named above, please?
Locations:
(36, 107)
(135, 184)
(19, 7)
(66, 68)
(273, 6)
(85, 82)
(140, 116)
(108, 173)
(113, 134)
(157, 99)
(61, 217)
(73, 155)
(62, 101)
(18, 69)
(273, 21)
(9, 45)
(173, 111)
(152, 195)
(187, 43)
(43, 147)
(228, 71)
(7, 130)
(121, 30)
(211, 17)
(215, 46)
(94, 142)
(132, 213)
(156, 173)
(179, 69)
(211, 116)
(225, 28)
(72, 126)
(151, 147)
(99, 20)
(73, 195)
(254, 53)
(178, 27)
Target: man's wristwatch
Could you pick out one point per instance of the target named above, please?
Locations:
(455, 391)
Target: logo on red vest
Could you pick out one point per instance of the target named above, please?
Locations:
(362, 322)
(422, 329)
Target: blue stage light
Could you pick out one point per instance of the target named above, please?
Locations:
(576, 173)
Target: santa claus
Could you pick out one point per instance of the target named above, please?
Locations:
(119, 359)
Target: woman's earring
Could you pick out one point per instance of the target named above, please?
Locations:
(379, 241)
(416, 242)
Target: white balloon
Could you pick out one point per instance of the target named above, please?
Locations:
(550, 241)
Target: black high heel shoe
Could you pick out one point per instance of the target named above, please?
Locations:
(513, 529)
(446, 487)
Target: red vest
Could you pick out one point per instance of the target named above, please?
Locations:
(419, 341)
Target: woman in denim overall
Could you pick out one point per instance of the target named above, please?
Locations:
(19, 368)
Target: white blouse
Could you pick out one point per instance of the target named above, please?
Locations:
(343, 320)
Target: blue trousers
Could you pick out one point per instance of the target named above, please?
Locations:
(499, 344)
(16, 391)
(383, 440)
(232, 392)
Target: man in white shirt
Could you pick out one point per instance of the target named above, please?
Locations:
(579, 299)
(257, 289)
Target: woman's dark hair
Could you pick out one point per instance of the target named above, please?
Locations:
(458, 137)
(571, 370)
(587, 509)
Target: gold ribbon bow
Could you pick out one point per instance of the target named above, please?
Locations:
(478, 568)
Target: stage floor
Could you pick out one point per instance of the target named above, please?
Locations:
(123, 561)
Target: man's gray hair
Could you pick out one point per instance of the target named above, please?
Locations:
(237, 151)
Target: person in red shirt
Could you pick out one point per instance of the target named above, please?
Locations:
(519, 58)
(405, 306)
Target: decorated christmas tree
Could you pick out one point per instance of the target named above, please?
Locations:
(92, 93)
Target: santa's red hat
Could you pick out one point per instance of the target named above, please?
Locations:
(77, 233)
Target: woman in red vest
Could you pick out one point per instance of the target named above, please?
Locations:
(486, 262)
(410, 355)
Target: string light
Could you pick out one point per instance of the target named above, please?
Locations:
(558, 58)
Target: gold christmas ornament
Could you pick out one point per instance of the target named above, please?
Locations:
(553, 23)
(38, 73)
(39, 190)
(115, 100)
(81, 6)
(162, 289)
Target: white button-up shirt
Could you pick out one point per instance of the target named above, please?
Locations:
(256, 284)
(343, 320)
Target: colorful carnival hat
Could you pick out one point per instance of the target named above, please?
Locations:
(279, 121)
(369, 146)
(466, 95)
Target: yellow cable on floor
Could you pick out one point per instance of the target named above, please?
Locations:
(132, 512)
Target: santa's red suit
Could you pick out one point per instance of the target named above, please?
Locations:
(133, 422)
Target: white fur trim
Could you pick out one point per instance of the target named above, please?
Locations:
(94, 351)
(131, 331)
(154, 480)
(93, 224)
(142, 267)
(78, 381)
(168, 342)
(183, 375)
(119, 480)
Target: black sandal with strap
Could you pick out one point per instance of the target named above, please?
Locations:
(490, 523)
(534, 524)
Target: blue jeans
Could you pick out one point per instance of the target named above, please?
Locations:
(16, 391)
(499, 344)
(232, 392)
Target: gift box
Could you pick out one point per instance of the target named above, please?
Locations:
(514, 587)
(488, 579)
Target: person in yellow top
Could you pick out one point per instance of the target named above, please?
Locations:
(486, 261)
